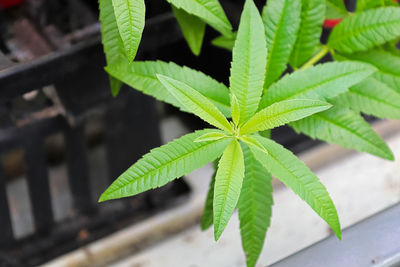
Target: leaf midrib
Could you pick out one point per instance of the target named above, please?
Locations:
(156, 80)
(379, 100)
(227, 188)
(265, 118)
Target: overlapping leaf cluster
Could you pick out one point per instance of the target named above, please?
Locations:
(323, 101)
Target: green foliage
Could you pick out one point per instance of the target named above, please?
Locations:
(249, 61)
(312, 17)
(165, 164)
(320, 82)
(193, 29)
(195, 102)
(208, 214)
(281, 113)
(370, 4)
(365, 30)
(335, 9)
(322, 101)
(143, 77)
(228, 184)
(294, 174)
(282, 20)
(255, 206)
(209, 11)
(130, 17)
(371, 97)
(346, 128)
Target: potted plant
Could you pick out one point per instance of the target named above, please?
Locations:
(275, 80)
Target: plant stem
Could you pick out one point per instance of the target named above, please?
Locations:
(316, 58)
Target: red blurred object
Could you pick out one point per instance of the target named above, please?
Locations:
(10, 3)
(330, 23)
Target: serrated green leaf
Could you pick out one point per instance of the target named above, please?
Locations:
(335, 9)
(130, 17)
(112, 42)
(193, 29)
(235, 109)
(228, 184)
(209, 11)
(369, 4)
(142, 77)
(381, 59)
(365, 30)
(346, 128)
(195, 102)
(255, 207)
(308, 38)
(164, 164)
(249, 61)
(282, 20)
(294, 174)
(390, 80)
(283, 112)
(226, 42)
(208, 213)
(212, 136)
(371, 97)
(318, 82)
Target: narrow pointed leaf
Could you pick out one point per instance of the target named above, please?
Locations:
(346, 128)
(383, 60)
(282, 20)
(308, 38)
(294, 174)
(164, 164)
(318, 82)
(281, 113)
(212, 136)
(365, 30)
(193, 29)
(255, 207)
(112, 42)
(226, 42)
(208, 213)
(115, 85)
(130, 16)
(335, 9)
(142, 77)
(209, 11)
(390, 80)
(371, 97)
(228, 184)
(195, 102)
(249, 61)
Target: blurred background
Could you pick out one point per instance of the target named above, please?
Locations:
(64, 139)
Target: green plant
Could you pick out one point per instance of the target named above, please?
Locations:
(322, 101)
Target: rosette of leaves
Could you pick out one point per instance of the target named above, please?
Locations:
(246, 158)
(284, 41)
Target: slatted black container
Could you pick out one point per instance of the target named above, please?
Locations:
(130, 128)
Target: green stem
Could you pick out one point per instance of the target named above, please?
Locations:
(316, 58)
